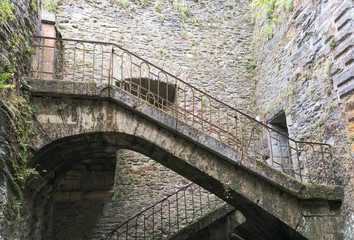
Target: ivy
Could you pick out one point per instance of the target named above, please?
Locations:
(33, 5)
(6, 11)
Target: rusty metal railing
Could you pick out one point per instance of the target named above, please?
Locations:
(103, 62)
(168, 216)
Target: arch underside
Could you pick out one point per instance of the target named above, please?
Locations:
(95, 154)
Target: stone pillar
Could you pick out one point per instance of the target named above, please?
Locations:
(43, 63)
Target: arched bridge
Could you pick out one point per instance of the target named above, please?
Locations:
(94, 98)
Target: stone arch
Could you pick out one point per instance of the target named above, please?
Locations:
(252, 187)
(106, 143)
(81, 171)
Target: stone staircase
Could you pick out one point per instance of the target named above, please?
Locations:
(110, 64)
(108, 71)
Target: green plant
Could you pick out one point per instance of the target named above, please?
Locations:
(194, 54)
(50, 5)
(6, 11)
(24, 87)
(332, 42)
(328, 66)
(124, 3)
(61, 107)
(157, 6)
(183, 9)
(33, 5)
(268, 5)
(28, 51)
(309, 91)
(205, 103)
(3, 78)
(32, 110)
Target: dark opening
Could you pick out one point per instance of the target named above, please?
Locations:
(159, 93)
(278, 122)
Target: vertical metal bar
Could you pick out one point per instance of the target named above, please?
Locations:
(63, 64)
(201, 112)
(169, 217)
(193, 209)
(236, 130)
(289, 157)
(219, 122)
(185, 205)
(244, 141)
(166, 92)
(161, 219)
(185, 104)
(140, 69)
(74, 62)
(323, 163)
(153, 221)
(102, 55)
(193, 106)
(41, 71)
(122, 86)
(298, 161)
(112, 67)
(281, 154)
(315, 162)
(263, 151)
(93, 62)
(177, 211)
(210, 122)
(227, 124)
(83, 62)
(176, 99)
(200, 201)
(158, 90)
(308, 167)
(270, 146)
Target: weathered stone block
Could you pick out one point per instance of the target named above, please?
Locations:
(345, 76)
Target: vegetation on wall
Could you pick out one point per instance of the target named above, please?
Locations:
(5, 11)
(50, 5)
(20, 117)
(15, 50)
(274, 10)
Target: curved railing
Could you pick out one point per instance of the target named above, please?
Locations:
(169, 215)
(103, 62)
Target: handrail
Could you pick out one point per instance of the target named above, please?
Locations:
(168, 215)
(74, 60)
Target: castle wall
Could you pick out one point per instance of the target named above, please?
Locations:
(18, 22)
(304, 69)
(206, 44)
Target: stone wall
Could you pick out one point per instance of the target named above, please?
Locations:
(139, 182)
(18, 22)
(304, 63)
(205, 43)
